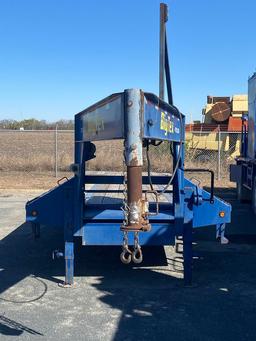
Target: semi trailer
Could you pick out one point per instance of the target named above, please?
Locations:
(244, 171)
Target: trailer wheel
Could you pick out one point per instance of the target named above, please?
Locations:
(243, 194)
(254, 196)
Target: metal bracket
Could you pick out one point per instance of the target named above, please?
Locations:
(61, 179)
(198, 195)
(74, 167)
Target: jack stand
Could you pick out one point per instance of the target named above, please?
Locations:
(220, 234)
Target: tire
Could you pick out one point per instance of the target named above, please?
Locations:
(243, 194)
(254, 196)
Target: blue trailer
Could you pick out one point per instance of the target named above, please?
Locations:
(244, 171)
(140, 119)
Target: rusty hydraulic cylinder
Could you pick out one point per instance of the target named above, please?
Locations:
(138, 208)
(134, 189)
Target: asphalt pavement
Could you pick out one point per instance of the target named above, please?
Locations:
(112, 301)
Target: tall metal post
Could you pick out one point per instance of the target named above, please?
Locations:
(133, 155)
(162, 38)
(69, 263)
(74, 221)
(188, 252)
(219, 147)
(178, 182)
(56, 151)
(134, 160)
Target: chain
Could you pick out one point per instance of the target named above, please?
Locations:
(136, 241)
(125, 207)
(137, 256)
(125, 243)
(125, 255)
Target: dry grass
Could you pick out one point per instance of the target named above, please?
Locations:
(27, 159)
(27, 181)
(35, 152)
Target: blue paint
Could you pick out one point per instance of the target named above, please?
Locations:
(110, 234)
(155, 117)
(139, 117)
(133, 127)
(69, 260)
(206, 213)
(54, 206)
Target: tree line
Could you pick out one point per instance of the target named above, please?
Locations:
(34, 124)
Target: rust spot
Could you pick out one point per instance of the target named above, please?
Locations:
(134, 184)
(137, 217)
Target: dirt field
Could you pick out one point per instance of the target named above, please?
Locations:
(29, 151)
(31, 180)
(34, 151)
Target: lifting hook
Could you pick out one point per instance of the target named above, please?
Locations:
(137, 256)
(125, 257)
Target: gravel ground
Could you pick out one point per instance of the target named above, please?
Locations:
(115, 302)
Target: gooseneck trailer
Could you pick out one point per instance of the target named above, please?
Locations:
(244, 171)
(150, 209)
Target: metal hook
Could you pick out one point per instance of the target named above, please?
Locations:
(125, 257)
(137, 256)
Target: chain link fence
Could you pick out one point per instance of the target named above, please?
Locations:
(52, 151)
(213, 150)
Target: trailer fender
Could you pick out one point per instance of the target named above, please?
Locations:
(207, 213)
(52, 207)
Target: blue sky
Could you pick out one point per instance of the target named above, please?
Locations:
(58, 57)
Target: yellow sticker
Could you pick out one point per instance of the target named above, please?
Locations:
(166, 124)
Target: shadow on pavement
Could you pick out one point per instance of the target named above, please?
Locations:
(13, 328)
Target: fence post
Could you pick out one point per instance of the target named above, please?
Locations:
(56, 151)
(219, 156)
